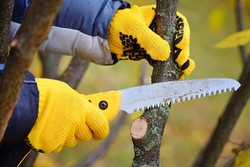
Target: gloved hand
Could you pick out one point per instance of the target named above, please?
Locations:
(181, 50)
(63, 117)
(131, 38)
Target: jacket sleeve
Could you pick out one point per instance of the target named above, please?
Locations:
(25, 112)
(64, 41)
(13, 147)
(80, 28)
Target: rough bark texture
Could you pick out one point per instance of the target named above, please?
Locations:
(23, 47)
(6, 8)
(147, 147)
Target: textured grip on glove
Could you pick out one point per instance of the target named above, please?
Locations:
(131, 38)
(63, 117)
(181, 49)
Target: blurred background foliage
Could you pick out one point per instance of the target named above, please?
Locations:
(190, 123)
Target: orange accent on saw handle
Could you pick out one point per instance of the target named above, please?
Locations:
(107, 102)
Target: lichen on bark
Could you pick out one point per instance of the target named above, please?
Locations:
(147, 148)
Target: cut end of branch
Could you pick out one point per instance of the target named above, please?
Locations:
(139, 128)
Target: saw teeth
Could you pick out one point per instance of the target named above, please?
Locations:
(185, 98)
(218, 91)
(182, 99)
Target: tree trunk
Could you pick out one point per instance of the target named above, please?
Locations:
(33, 31)
(147, 130)
(6, 8)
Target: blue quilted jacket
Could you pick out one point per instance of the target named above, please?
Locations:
(91, 17)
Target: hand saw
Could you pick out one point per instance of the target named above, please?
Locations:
(158, 94)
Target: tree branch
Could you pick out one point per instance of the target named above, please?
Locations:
(50, 63)
(227, 121)
(147, 130)
(33, 31)
(240, 27)
(93, 156)
(208, 157)
(6, 8)
(75, 71)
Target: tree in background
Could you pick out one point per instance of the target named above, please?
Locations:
(26, 43)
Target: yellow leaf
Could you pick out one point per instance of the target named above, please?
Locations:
(234, 40)
(242, 159)
(216, 19)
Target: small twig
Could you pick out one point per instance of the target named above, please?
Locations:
(227, 121)
(74, 72)
(93, 156)
(240, 27)
(208, 157)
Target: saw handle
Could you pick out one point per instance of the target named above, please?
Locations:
(107, 102)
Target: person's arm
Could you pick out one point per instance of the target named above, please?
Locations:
(12, 146)
(49, 115)
(64, 41)
(118, 32)
(80, 28)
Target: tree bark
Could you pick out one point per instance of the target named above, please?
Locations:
(147, 130)
(6, 8)
(33, 31)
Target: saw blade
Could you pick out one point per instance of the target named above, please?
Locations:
(159, 94)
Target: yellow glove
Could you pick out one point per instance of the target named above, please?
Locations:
(63, 117)
(131, 38)
(181, 50)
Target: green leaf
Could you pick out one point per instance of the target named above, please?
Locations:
(234, 40)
